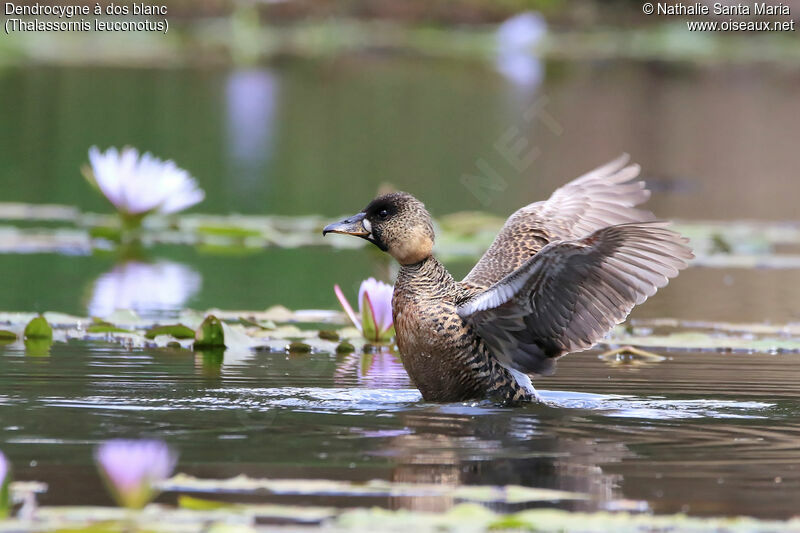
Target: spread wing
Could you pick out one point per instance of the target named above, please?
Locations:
(570, 294)
(603, 197)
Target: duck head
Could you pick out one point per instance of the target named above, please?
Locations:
(396, 223)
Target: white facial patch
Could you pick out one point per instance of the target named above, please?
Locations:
(367, 225)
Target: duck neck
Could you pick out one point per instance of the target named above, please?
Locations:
(428, 276)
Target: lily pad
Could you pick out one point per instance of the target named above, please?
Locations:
(472, 517)
(299, 347)
(125, 318)
(345, 347)
(201, 504)
(7, 337)
(235, 232)
(290, 513)
(38, 328)
(265, 324)
(699, 340)
(630, 356)
(210, 334)
(328, 334)
(245, 484)
(179, 331)
(101, 326)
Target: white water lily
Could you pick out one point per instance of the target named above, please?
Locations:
(138, 185)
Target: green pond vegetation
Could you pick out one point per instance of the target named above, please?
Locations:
(55, 228)
(194, 513)
(242, 39)
(58, 228)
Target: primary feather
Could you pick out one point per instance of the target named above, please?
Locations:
(603, 197)
(558, 276)
(567, 296)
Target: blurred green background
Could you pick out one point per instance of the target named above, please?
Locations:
(300, 107)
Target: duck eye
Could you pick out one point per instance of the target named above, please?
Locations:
(383, 214)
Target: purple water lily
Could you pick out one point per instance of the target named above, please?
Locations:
(137, 185)
(374, 307)
(3, 468)
(5, 480)
(131, 467)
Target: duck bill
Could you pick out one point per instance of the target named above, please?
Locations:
(353, 225)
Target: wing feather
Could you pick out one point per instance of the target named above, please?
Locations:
(570, 294)
(603, 197)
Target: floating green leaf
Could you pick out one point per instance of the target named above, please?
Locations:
(7, 337)
(478, 493)
(179, 331)
(201, 504)
(101, 326)
(345, 347)
(328, 334)
(235, 232)
(630, 356)
(473, 517)
(210, 334)
(699, 340)
(266, 324)
(109, 233)
(299, 347)
(38, 328)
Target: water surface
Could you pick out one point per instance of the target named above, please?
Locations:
(703, 433)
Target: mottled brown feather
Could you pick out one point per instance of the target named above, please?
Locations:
(570, 294)
(603, 197)
(558, 276)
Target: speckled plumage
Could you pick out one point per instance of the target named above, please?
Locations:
(558, 276)
(441, 352)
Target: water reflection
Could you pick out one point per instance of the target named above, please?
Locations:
(149, 289)
(692, 433)
(38, 347)
(251, 102)
(378, 370)
(516, 40)
(360, 119)
(485, 446)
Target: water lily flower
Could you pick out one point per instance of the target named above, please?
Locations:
(374, 307)
(3, 467)
(132, 467)
(139, 185)
(5, 481)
